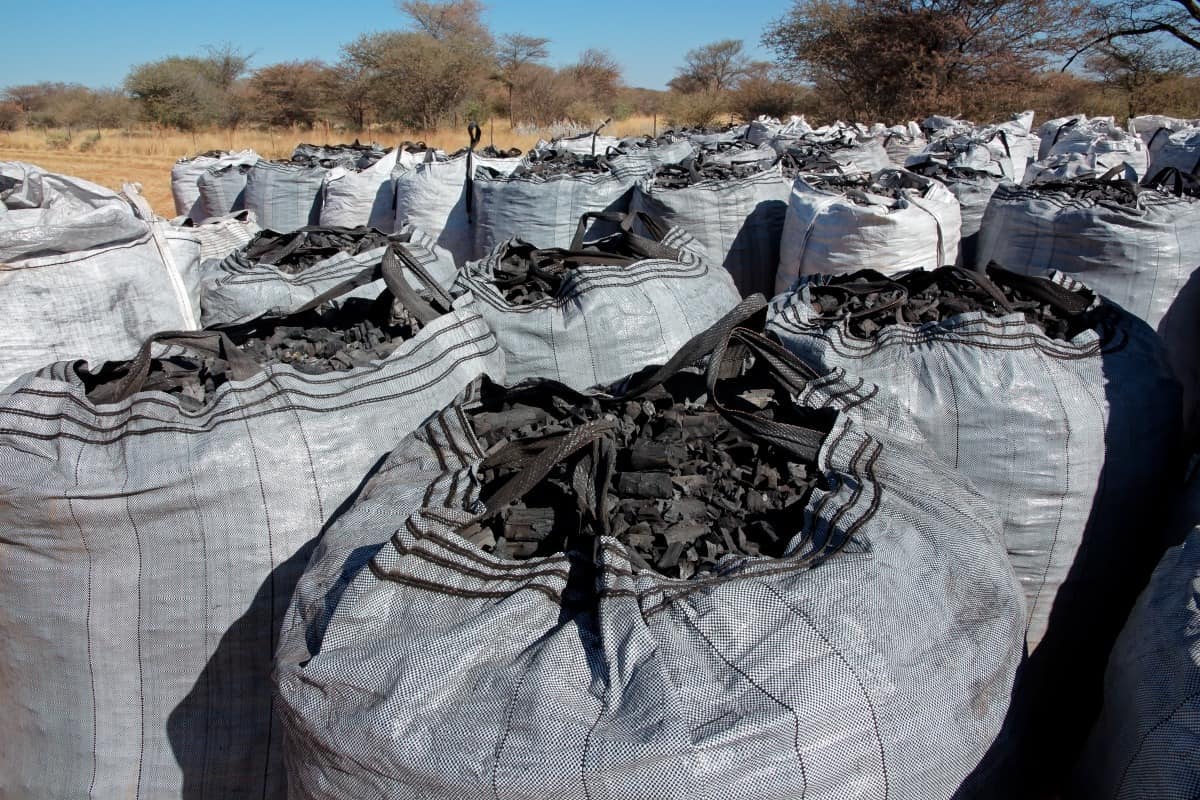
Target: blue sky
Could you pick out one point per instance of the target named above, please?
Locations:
(95, 43)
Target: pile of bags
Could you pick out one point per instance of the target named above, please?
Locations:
(404, 472)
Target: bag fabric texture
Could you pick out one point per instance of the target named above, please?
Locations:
(46, 214)
(606, 321)
(873, 659)
(1145, 742)
(829, 232)
(238, 288)
(88, 274)
(150, 554)
(361, 197)
(738, 221)
(223, 189)
(1142, 256)
(545, 210)
(433, 196)
(185, 179)
(1074, 442)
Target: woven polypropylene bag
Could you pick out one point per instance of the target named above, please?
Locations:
(222, 189)
(433, 195)
(361, 197)
(1103, 139)
(185, 177)
(238, 288)
(738, 221)
(546, 210)
(415, 664)
(606, 321)
(1034, 422)
(1144, 744)
(827, 232)
(132, 275)
(284, 196)
(1072, 441)
(43, 213)
(149, 554)
(1144, 257)
(1180, 149)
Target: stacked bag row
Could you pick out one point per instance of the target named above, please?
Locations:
(198, 468)
(560, 486)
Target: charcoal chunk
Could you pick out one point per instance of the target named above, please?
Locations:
(644, 484)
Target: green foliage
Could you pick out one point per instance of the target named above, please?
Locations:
(191, 92)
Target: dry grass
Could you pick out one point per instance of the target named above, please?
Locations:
(146, 156)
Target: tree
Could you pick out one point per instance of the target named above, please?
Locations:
(456, 19)
(225, 64)
(351, 91)
(193, 91)
(762, 91)
(596, 78)
(712, 68)
(291, 93)
(1177, 20)
(414, 79)
(1135, 67)
(33, 96)
(514, 53)
(900, 58)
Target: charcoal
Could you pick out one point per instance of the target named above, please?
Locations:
(644, 484)
(684, 532)
(868, 302)
(553, 163)
(526, 274)
(693, 171)
(698, 130)
(529, 524)
(856, 186)
(649, 456)
(670, 558)
(1095, 189)
(690, 488)
(351, 156)
(491, 152)
(336, 338)
(301, 249)
(940, 170)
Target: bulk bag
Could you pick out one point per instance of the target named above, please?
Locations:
(284, 196)
(222, 189)
(600, 310)
(973, 189)
(223, 235)
(281, 272)
(542, 200)
(45, 213)
(902, 141)
(893, 220)
(424, 657)
(1180, 150)
(435, 196)
(1063, 410)
(735, 213)
(154, 531)
(131, 276)
(361, 197)
(1145, 741)
(185, 179)
(1104, 139)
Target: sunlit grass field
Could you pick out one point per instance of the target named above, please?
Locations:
(112, 157)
